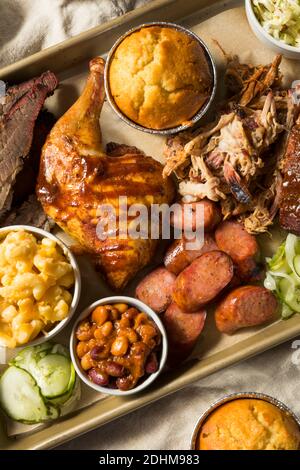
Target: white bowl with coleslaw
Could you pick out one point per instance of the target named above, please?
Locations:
(278, 45)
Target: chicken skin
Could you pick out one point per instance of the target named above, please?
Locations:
(77, 179)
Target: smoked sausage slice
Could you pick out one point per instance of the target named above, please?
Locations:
(232, 238)
(245, 306)
(187, 218)
(156, 289)
(203, 280)
(241, 246)
(178, 257)
(183, 330)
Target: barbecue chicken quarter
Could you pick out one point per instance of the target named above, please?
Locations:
(76, 177)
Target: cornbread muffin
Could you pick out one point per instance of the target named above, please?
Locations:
(159, 77)
(249, 424)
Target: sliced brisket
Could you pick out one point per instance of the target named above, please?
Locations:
(26, 180)
(29, 212)
(19, 110)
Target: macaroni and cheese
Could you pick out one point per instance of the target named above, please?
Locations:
(35, 276)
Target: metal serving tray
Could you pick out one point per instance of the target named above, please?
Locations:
(69, 60)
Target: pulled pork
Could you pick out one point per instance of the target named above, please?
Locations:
(235, 159)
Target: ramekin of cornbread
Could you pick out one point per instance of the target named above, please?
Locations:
(247, 421)
(160, 78)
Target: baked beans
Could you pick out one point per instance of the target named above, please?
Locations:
(118, 345)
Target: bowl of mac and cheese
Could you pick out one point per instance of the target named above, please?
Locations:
(39, 286)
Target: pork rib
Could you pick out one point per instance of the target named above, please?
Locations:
(290, 197)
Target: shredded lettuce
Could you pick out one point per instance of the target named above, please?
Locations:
(278, 259)
(270, 282)
(283, 275)
(290, 251)
(280, 18)
(286, 312)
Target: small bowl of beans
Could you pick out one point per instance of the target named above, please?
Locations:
(118, 346)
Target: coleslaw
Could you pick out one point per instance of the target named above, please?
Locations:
(280, 19)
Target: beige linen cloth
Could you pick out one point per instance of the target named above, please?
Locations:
(27, 26)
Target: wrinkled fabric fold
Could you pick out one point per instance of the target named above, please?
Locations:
(27, 26)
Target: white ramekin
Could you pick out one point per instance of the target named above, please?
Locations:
(132, 303)
(39, 234)
(280, 47)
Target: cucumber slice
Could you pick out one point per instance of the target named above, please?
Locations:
(54, 375)
(59, 349)
(290, 294)
(71, 383)
(67, 398)
(53, 412)
(20, 397)
(31, 355)
(51, 367)
(61, 400)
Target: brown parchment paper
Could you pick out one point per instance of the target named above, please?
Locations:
(231, 30)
